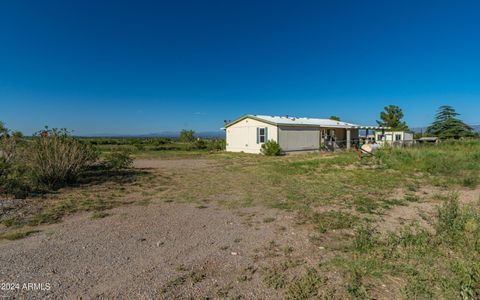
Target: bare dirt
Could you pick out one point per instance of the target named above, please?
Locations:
(141, 251)
(179, 164)
(173, 250)
(157, 251)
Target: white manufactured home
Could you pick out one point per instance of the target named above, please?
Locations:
(394, 138)
(248, 133)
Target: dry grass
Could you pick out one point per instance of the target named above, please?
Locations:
(338, 196)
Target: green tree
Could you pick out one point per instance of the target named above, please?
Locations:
(3, 130)
(334, 118)
(392, 117)
(187, 136)
(17, 134)
(448, 126)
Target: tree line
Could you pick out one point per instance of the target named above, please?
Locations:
(446, 124)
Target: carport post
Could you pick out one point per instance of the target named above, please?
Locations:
(349, 137)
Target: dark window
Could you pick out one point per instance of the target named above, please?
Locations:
(261, 135)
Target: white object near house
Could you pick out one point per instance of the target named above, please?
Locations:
(394, 138)
(248, 133)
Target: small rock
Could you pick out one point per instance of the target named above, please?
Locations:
(321, 248)
(160, 243)
(233, 253)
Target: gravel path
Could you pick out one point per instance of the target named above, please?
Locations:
(162, 250)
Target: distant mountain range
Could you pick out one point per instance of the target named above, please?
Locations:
(423, 129)
(206, 134)
(165, 134)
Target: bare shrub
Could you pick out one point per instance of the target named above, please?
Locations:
(57, 158)
(118, 160)
(13, 174)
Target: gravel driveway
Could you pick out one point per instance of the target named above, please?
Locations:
(165, 250)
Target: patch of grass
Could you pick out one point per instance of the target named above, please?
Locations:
(15, 235)
(181, 268)
(99, 215)
(439, 264)
(471, 180)
(174, 283)
(48, 217)
(274, 278)
(144, 202)
(305, 286)
(332, 220)
(366, 204)
(12, 222)
(196, 277)
(411, 197)
(268, 220)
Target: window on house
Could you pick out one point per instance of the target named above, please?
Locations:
(261, 135)
(398, 137)
(380, 137)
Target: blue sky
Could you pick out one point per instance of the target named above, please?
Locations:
(133, 67)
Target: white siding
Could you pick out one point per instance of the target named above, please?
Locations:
(242, 136)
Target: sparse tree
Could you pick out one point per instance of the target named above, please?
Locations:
(448, 126)
(3, 130)
(335, 118)
(392, 117)
(17, 135)
(187, 136)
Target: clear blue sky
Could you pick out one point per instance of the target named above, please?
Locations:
(149, 66)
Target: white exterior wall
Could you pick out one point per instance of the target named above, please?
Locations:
(242, 136)
(389, 137)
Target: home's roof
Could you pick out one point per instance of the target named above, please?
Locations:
(295, 121)
(431, 138)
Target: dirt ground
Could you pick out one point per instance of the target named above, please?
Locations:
(162, 250)
(171, 250)
(138, 250)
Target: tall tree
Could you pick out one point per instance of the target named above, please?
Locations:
(392, 117)
(448, 126)
(335, 118)
(187, 136)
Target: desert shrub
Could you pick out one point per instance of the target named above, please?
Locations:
(118, 160)
(13, 171)
(14, 179)
(271, 148)
(187, 136)
(216, 145)
(140, 147)
(200, 144)
(57, 158)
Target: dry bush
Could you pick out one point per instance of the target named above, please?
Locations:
(13, 175)
(57, 158)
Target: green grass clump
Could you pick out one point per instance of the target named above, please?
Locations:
(15, 235)
(455, 160)
(444, 263)
(305, 286)
(332, 220)
(99, 215)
